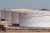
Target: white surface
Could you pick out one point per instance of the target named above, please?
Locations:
(35, 20)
